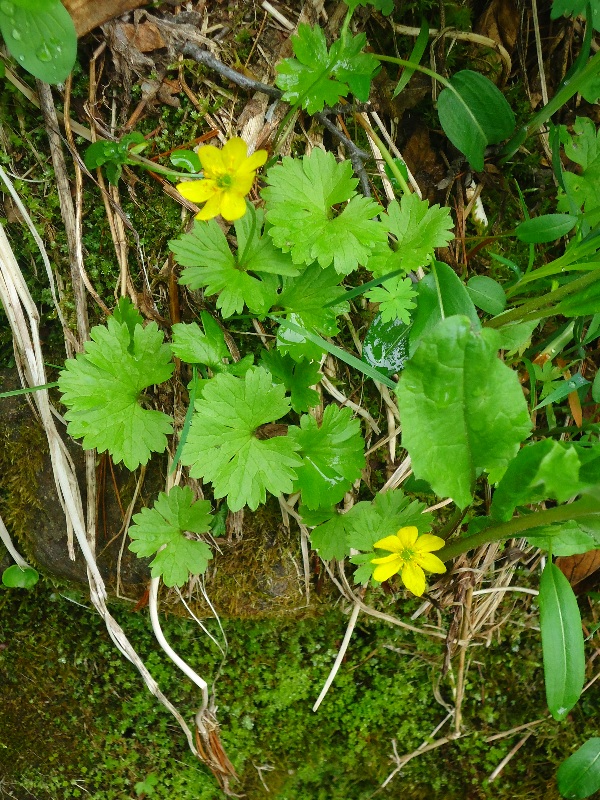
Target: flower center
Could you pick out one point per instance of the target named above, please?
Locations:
(407, 554)
(224, 181)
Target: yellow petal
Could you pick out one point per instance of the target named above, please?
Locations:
(212, 161)
(407, 536)
(391, 543)
(197, 191)
(386, 559)
(413, 578)
(430, 562)
(234, 153)
(242, 183)
(384, 571)
(253, 162)
(426, 543)
(212, 208)
(233, 206)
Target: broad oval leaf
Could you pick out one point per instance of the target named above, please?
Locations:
(487, 294)
(16, 578)
(547, 228)
(562, 642)
(579, 776)
(187, 160)
(385, 346)
(41, 36)
(462, 409)
(474, 115)
(441, 294)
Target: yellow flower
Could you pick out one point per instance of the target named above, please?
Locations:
(228, 177)
(410, 554)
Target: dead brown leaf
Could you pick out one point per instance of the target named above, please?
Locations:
(579, 568)
(145, 37)
(88, 14)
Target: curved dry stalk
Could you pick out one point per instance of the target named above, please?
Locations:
(8, 543)
(176, 659)
(23, 319)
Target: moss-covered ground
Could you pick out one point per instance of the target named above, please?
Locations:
(76, 721)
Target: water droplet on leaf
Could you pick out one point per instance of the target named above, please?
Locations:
(43, 53)
(7, 7)
(16, 34)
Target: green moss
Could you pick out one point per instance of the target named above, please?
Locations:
(77, 722)
(21, 459)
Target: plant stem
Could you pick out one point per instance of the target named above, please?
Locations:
(516, 526)
(560, 98)
(531, 309)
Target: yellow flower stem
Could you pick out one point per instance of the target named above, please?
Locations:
(151, 166)
(241, 261)
(584, 507)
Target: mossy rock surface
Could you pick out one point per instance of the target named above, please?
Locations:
(256, 571)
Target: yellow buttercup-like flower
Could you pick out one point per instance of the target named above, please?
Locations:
(410, 555)
(228, 177)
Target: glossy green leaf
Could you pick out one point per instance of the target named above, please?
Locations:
(596, 388)
(545, 470)
(186, 159)
(475, 115)
(41, 36)
(516, 337)
(547, 228)
(462, 409)
(441, 294)
(579, 776)
(385, 345)
(16, 578)
(296, 376)
(585, 302)
(571, 538)
(487, 294)
(562, 642)
(564, 390)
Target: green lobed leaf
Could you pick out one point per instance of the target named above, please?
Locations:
(299, 199)
(126, 312)
(222, 446)
(15, 577)
(388, 512)
(317, 76)
(211, 264)
(332, 455)
(562, 642)
(462, 409)
(396, 299)
(194, 346)
(441, 294)
(296, 376)
(165, 526)
(418, 229)
(101, 388)
(547, 228)
(385, 345)
(487, 294)
(579, 776)
(475, 116)
(41, 36)
(329, 538)
(583, 148)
